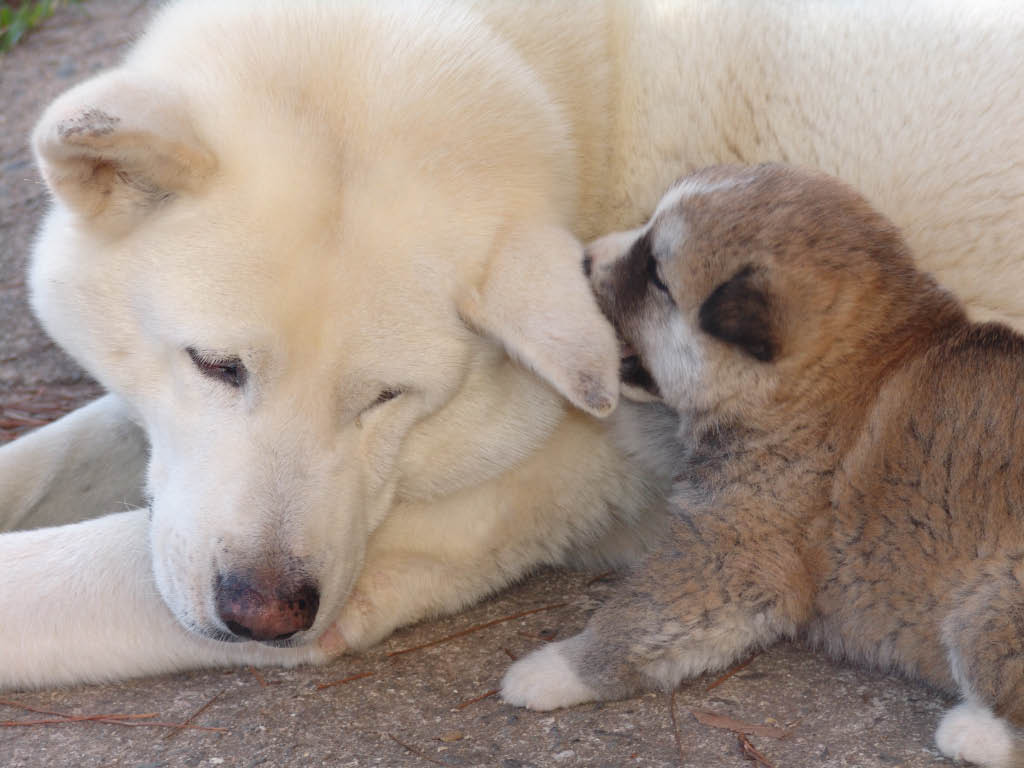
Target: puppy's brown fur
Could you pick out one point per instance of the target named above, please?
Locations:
(856, 476)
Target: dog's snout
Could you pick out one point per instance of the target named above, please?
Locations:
(257, 608)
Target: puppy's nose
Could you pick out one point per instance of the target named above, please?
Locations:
(588, 263)
(258, 609)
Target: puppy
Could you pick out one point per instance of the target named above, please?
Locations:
(856, 477)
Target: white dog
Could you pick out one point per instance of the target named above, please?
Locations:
(326, 257)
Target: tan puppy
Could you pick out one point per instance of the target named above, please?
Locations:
(856, 474)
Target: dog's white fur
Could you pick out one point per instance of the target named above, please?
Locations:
(359, 197)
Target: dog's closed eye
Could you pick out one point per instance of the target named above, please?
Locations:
(739, 312)
(227, 370)
(385, 395)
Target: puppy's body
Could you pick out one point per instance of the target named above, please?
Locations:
(856, 477)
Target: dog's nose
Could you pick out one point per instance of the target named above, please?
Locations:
(258, 609)
(588, 263)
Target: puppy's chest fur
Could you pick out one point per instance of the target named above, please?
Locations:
(739, 459)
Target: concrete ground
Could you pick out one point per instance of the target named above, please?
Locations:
(429, 706)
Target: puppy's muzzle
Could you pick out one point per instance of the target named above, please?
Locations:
(255, 607)
(636, 380)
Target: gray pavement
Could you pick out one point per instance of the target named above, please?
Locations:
(427, 706)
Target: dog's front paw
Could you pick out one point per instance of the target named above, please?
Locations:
(972, 733)
(545, 680)
(359, 626)
(332, 642)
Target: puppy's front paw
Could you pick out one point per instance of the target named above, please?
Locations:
(972, 733)
(544, 680)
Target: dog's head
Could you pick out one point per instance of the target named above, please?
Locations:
(329, 276)
(754, 286)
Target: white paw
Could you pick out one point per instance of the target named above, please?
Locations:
(973, 734)
(359, 626)
(544, 680)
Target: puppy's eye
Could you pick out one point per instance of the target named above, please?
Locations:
(653, 276)
(229, 370)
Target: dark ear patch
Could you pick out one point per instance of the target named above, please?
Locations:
(739, 312)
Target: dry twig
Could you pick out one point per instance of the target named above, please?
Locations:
(414, 751)
(599, 577)
(476, 628)
(716, 720)
(259, 677)
(59, 718)
(77, 719)
(188, 721)
(121, 720)
(344, 680)
(475, 699)
(739, 667)
(751, 753)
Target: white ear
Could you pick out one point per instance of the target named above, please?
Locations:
(537, 302)
(115, 146)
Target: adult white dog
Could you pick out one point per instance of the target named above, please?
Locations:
(326, 256)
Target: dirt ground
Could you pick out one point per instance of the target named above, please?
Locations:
(429, 706)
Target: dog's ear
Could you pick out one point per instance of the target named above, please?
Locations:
(113, 147)
(536, 301)
(739, 312)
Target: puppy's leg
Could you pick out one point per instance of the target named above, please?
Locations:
(696, 606)
(984, 637)
(78, 603)
(88, 463)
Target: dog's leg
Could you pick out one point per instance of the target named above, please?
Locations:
(984, 640)
(695, 606)
(88, 463)
(78, 603)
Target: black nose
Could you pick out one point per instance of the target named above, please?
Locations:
(258, 607)
(588, 264)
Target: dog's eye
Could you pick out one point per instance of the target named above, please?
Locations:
(385, 394)
(382, 397)
(653, 276)
(228, 370)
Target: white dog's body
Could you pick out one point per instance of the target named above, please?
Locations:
(300, 243)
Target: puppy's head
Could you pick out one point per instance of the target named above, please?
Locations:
(752, 286)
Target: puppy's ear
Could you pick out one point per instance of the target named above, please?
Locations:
(113, 147)
(536, 301)
(739, 312)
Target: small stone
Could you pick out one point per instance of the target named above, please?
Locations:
(450, 736)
